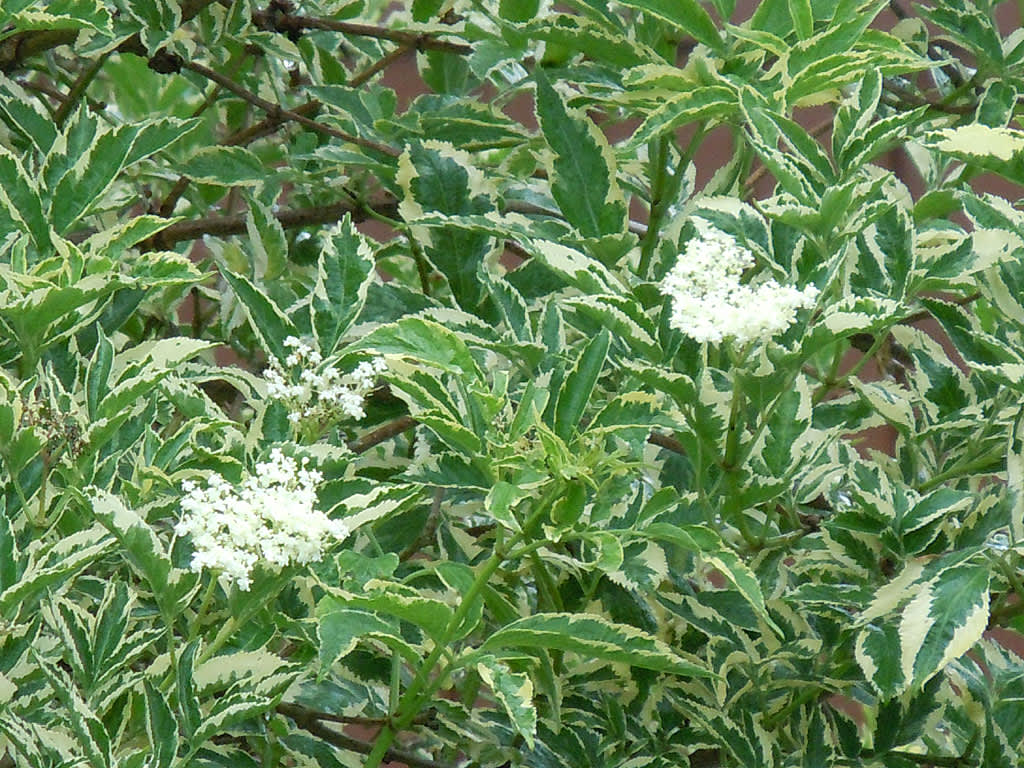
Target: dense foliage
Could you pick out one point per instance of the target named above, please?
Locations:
(567, 472)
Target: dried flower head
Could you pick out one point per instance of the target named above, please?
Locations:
(709, 303)
(269, 517)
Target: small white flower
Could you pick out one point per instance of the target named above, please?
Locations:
(320, 397)
(709, 303)
(269, 517)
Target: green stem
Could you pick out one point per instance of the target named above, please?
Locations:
(823, 390)
(733, 511)
(961, 468)
(204, 606)
(78, 89)
(732, 439)
(419, 689)
(222, 637)
(664, 191)
(546, 587)
(412, 699)
(396, 681)
(659, 151)
(422, 267)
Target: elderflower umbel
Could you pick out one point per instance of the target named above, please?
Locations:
(270, 517)
(710, 304)
(320, 397)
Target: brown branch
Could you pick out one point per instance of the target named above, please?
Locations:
(312, 724)
(382, 63)
(379, 435)
(234, 224)
(667, 442)
(279, 112)
(293, 26)
(268, 125)
(428, 530)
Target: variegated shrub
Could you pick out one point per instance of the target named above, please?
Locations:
(506, 383)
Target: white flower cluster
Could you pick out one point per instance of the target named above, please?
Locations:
(270, 517)
(320, 397)
(710, 304)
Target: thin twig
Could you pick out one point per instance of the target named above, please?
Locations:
(381, 64)
(666, 442)
(268, 125)
(234, 224)
(277, 111)
(78, 89)
(293, 25)
(314, 726)
(917, 100)
(379, 435)
(166, 208)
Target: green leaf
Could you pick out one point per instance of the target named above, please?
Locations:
(20, 201)
(597, 40)
(803, 18)
(441, 180)
(999, 150)
(1015, 477)
(944, 620)
(26, 115)
(579, 384)
(144, 551)
(583, 167)
(90, 734)
(450, 470)
(51, 566)
(426, 341)
(877, 653)
(80, 189)
(696, 102)
(226, 167)
(706, 543)
(514, 691)
(593, 637)
(227, 711)
(789, 421)
(270, 324)
(518, 10)
(161, 728)
(59, 14)
(267, 241)
(339, 629)
(433, 616)
(344, 274)
(970, 25)
(97, 375)
(686, 15)
(748, 745)
(189, 713)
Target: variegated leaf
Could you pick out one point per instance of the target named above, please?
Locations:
(594, 637)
